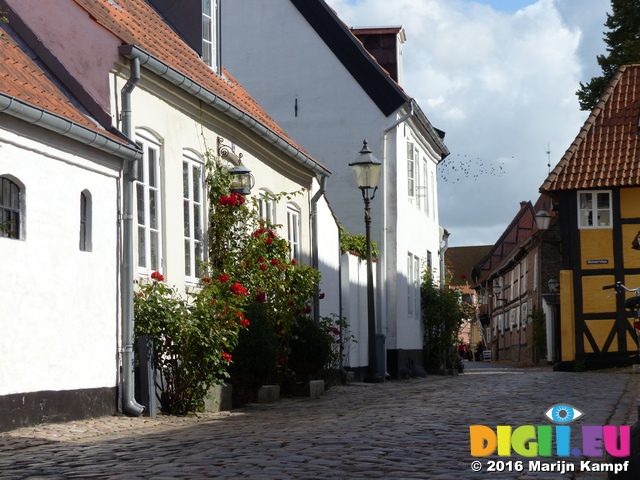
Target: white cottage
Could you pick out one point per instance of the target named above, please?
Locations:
(60, 188)
(173, 100)
(330, 87)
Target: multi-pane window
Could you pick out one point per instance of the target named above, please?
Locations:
(425, 179)
(411, 170)
(85, 221)
(267, 207)
(193, 214)
(10, 193)
(293, 231)
(209, 32)
(149, 207)
(594, 209)
(413, 286)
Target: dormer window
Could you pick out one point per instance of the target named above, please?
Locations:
(210, 33)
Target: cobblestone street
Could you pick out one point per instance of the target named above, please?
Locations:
(407, 429)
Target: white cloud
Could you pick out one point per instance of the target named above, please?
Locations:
(502, 86)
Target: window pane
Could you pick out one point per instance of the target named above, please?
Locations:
(604, 218)
(154, 250)
(187, 223)
(153, 173)
(197, 226)
(206, 53)
(142, 248)
(196, 184)
(15, 196)
(585, 200)
(185, 180)
(187, 257)
(198, 255)
(153, 198)
(140, 200)
(206, 29)
(603, 200)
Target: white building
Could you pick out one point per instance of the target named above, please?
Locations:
(137, 76)
(59, 237)
(315, 77)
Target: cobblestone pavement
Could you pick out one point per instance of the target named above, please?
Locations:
(396, 430)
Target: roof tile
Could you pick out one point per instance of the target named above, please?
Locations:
(605, 152)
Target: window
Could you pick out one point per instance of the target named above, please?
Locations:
(425, 179)
(429, 260)
(10, 209)
(209, 33)
(267, 207)
(594, 209)
(149, 207)
(413, 286)
(293, 231)
(85, 221)
(193, 212)
(411, 170)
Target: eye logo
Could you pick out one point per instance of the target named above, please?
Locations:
(563, 414)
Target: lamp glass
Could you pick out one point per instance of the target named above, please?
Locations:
(543, 219)
(366, 168)
(241, 180)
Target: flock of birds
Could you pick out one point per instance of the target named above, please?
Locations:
(462, 167)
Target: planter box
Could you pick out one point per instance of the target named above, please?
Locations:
(315, 388)
(269, 394)
(218, 399)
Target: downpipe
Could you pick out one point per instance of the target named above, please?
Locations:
(129, 405)
(315, 260)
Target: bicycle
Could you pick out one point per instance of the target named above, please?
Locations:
(632, 303)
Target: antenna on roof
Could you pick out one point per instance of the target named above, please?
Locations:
(548, 159)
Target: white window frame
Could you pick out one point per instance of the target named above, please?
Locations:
(425, 178)
(593, 213)
(193, 215)
(293, 231)
(147, 231)
(410, 299)
(411, 170)
(210, 33)
(267, 206)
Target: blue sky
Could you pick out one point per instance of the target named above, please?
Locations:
(501, 83)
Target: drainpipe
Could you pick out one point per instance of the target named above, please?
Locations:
(129, 404)
(315, 262)
(383, 238)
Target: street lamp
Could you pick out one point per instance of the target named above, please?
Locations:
(543, 219)
(366, 169)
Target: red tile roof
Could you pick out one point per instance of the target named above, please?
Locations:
(135, 22)
(606, 151)
(21, 78)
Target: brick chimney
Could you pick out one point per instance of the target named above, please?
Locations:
(385, 45)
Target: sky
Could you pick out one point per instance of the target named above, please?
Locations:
(499, 78)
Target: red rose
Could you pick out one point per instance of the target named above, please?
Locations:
(238, 289)
(244, 322)
(206, 280)
(274, 262)
(294, 261)
(223, 278)
(226, 356)
(307, 309)
(269, 241)
(261, 297)
(263, 267)
(157, 276)
(261, 259)
(321, 296)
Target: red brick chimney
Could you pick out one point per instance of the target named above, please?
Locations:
(385, 45)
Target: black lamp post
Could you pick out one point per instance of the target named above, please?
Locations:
(366, 169)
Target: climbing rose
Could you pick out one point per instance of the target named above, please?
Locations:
(223, 278)
(244, 322)
(307, 309)
(157, 276)
(206, 280)
(263, 267)
(238, 289)
(226, 356)
(274, 262)
(321, 296)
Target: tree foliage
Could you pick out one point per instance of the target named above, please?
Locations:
(443, 313)
(623, 47)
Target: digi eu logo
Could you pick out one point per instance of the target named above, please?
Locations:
(539, 441)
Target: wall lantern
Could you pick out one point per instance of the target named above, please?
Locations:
(543, 219)
(554, 285)
(242, 180)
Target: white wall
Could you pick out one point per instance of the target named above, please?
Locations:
(59, 304)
